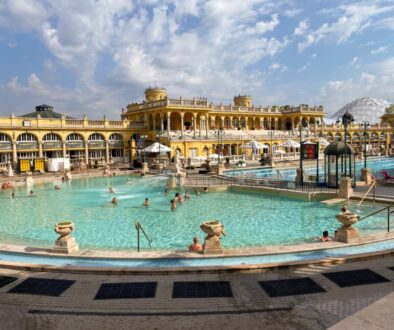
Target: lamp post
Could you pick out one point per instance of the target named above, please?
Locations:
(365, 125)
(346, 119)
(300, 126)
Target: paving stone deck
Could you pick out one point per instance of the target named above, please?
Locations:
(247, 307)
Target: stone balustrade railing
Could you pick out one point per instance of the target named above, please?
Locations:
(203, 103)
(16, 122)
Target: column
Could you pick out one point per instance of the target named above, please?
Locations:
(231, 122)
(182, 124)
(222, 122)
(194, 124)
(106, 152)
(292, 123)
(64, 150)
(199, 126)
(161, 123)
(40, 154)
(154, 122)
(276, 123)
(86, 153)
(168, 123)
(206, 126)
(14, 153)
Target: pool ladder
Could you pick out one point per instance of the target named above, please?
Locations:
(139, 228)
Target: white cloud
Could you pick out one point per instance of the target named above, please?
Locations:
(302, 28)
(352, 18)
(303, 68)
(277, 67)
(22, 15)
(354, 61)
(378, 50)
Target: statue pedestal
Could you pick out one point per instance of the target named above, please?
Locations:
(66, 246)
(220, 168)
(347, 235)
(212, 245)
(366, 175)
(345, 188)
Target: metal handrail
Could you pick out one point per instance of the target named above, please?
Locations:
(138, 227)
(372, 187)
(376, 212)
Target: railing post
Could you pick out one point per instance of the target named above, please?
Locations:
(137, 226)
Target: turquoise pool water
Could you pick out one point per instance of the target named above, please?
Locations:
(250, 219)
(376, 164)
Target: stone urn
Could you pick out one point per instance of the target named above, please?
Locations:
(65, 243)
(214, 230)
(346, 233)
(64, 229)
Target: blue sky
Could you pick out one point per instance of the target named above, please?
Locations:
(94, 57)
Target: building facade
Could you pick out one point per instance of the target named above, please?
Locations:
(191, 127)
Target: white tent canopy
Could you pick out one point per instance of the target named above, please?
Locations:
(156, 147)
(255, 145)
(323, 142)
(279, 151)
(290, 144)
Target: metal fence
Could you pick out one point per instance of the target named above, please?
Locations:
(195, 181)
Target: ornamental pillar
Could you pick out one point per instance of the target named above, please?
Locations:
(168, 124)
(40, 154)
(161, 124)
(14, 153)
(64, 149)
(206, 126)
(194, 124)
(106, 152)
(182, 124)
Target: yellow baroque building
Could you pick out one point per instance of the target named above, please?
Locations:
(193, 127)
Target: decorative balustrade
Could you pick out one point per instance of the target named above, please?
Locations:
(26, 145)
(51, 145)
(19, 122)
(4, 145)
(202, 103)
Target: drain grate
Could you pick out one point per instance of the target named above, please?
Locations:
(291, 287)
(355, 277)
(42, 286)
(4, 280)
(127, 290)
(211, 289)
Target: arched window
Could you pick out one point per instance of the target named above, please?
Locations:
(51, 137)
(4, 138)
(96, 137)
(74, 137)
(26, 137)
(116, 137)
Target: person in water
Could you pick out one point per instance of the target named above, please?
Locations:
(187, 195)
(173, 204)
(111, 191)
(196, 246)
(146, 202)
(325, 237)
(114, 201)
(32, 194)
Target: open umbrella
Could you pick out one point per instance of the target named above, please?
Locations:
(255, 145)
(290, 144)
(156, 147)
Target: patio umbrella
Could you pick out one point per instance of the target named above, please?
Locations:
(290, 144)
(156, 147)
(255, 145)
